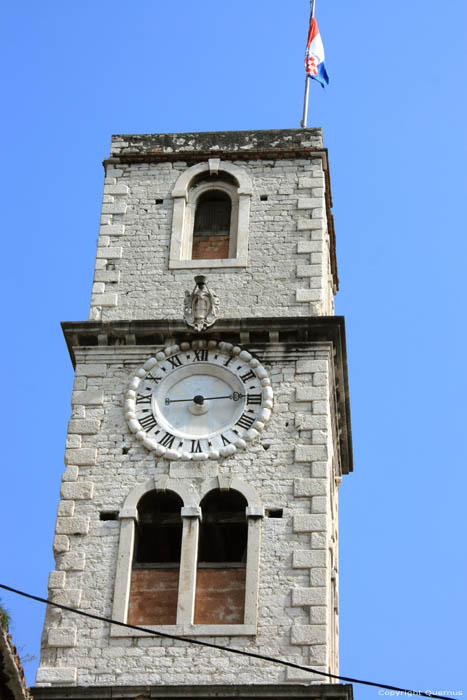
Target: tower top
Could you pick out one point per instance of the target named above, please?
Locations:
(272, 248)
(215, 141)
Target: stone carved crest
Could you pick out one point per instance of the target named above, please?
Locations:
(200, 307)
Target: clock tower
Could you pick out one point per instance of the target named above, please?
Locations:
(209, 429)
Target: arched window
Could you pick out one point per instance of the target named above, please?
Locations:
(155, 574)
(211, 230)
(211, 216)
(222, 556)
(189, 569)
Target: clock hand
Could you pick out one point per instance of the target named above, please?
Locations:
(235, 396)
(201, 399)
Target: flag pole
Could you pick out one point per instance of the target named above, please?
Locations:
(304, 119)
(305, 104)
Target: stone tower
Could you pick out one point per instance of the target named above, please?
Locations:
(210, 427)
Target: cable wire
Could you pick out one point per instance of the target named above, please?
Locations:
(231, 650)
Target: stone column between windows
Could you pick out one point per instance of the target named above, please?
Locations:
(188, 564)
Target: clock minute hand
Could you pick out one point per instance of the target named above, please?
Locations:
(235, 397)
(201, 399)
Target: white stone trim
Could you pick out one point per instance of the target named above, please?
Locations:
(252, 570)
(187, 494)
(187, 630)
(247, 490)
(124, 567)
(185, 199)
(245, 185)
(312, 211)
(188, 569)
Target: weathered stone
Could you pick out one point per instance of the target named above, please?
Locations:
(309, 202)
(88, 398)
(91, 370)
(308, 182)
(61, 544)
(107, 276)
(309, 596)
(62, 637)
(306, 559)
(57, 676)
(309, 246)
(309, 634)
(72, 526)
(81, 490)
(310, 523)
(310, 487)
(66, 509)
(310, 453)
(109, 253)
(105, 299)
(308, 295)
(56, 579)
(311, 393)
(84, 426)
(70, 597)
(85, 456)
(72, 561)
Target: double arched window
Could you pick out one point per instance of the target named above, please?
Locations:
(211, 216)
(189, 561)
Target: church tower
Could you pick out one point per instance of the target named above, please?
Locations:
(209, 430)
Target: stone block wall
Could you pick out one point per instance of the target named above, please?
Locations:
(293, 466)
(291, 252)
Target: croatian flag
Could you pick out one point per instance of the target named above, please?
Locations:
(314, 55)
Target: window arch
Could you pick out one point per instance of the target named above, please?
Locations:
(162, 582)
(156, 562)
(223, 543)
(202, 195)
(212, 225)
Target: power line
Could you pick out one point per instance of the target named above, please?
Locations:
(231, 650)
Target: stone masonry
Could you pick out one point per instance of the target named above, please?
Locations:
(279, 307)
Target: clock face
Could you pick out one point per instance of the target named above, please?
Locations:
(199, 401)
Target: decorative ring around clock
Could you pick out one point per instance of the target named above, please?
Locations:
(200, 400)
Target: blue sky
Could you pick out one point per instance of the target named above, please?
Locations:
(394, 121)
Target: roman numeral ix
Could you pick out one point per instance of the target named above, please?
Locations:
(143, 399)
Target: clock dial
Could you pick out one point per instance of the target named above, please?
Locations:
(199, 401)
